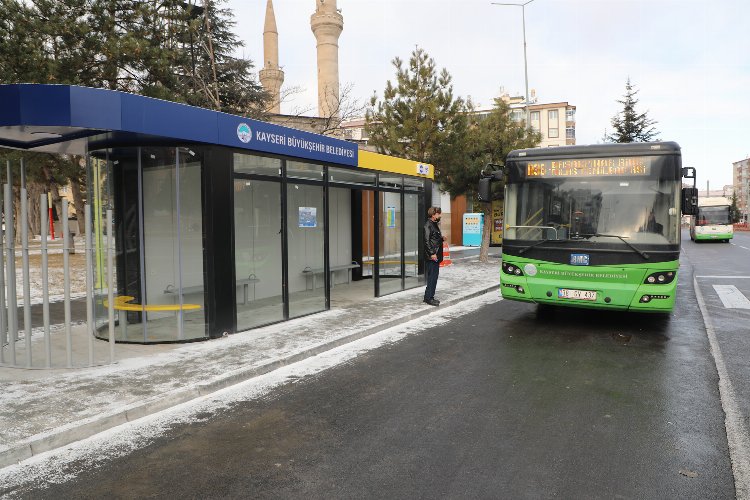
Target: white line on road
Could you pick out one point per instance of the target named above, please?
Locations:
(737, 435)
(731, 297)
(725, 276)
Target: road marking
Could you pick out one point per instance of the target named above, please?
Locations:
(737, 435)
(744, 247)
(731, 297)
(725, 276)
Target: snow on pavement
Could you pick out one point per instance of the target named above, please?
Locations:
(62, 465)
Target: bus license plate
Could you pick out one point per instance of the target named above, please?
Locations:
(565, 293)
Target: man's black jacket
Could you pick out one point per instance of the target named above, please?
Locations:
(433, 240)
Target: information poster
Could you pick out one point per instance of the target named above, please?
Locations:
(390, 217)
(308, 217)
(496, 237)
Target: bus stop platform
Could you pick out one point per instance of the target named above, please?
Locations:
(42, 410)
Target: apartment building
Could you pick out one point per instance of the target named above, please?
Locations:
(555, 120)
(741, 183)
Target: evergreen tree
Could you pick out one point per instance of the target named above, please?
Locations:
(485, 141)
(734, 210)
(629, 125)
(419, 115)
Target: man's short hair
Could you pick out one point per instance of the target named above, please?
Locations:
(434, 210)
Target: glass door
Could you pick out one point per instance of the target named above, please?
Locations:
(306, 248)
(257, 252)
(390, 258)
(412, 276)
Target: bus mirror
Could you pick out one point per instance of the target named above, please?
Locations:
(690, 201)
(485, 189)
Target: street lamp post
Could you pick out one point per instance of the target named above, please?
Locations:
(525, 65)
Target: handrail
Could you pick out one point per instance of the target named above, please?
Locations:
(120, 304)
(537, 227)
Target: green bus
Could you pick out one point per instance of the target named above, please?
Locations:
(593, 226)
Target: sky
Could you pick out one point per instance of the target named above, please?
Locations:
(689, 60)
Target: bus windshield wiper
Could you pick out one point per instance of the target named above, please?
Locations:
(639, 252)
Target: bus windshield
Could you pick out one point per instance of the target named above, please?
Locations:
(712, 215)
(639, 210)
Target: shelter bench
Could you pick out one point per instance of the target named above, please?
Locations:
(245, 283)
(309, 272)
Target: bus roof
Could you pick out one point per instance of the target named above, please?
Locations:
(631, 148)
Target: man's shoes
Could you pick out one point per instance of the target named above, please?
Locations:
(432, 302)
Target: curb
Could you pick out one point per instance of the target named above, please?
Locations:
(42, 443)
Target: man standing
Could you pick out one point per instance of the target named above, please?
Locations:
(433, 244)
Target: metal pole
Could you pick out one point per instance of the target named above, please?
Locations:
(180, 317)
(525, 66)
(89, 284)
(45, 281)
(110, 287)
(3, 310)
(25, 270)
(10, 253)
(66, 279)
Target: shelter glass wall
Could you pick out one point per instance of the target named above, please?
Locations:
(306, 248)
(160, 293)
(258, 245)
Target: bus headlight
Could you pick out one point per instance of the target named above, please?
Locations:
(511, 269)
(660, 278)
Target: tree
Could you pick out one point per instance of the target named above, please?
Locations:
(171, 49)
(482, 142)
(418, 114)
(734, 210)
(629, 125)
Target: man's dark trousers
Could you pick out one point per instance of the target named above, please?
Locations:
(431, 277)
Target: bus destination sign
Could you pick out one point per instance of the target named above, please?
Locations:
(624, 166)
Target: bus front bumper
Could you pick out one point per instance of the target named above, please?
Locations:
(591, 295)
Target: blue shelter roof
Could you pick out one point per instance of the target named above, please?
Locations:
(61, 118)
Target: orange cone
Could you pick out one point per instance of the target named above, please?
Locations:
(446, 256)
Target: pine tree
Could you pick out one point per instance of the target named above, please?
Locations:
(485, 141)
(629, 125)
(419, 115)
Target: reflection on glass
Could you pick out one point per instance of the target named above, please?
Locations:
(390, 243)
(368, 233)
(259, 165)
(351, 177)
(190, 241)
(642, 211)
(257, 251)
(172, 246)
(301, 170)
(306, 239)
(391, 181)
(411, 241)
(340, 235)
(413, 184)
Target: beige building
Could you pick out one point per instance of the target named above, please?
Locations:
(556, 121)
(741, 184)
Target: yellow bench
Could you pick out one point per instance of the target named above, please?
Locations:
(121, 304)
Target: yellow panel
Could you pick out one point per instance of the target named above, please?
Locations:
(385, 163)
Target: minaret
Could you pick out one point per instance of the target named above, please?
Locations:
(327, 24)
(271, 77)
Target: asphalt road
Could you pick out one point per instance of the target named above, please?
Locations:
(502, 403)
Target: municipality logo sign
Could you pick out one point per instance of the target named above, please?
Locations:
(423, 169)
(244, 133)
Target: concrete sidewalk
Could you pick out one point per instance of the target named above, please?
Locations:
(54, 408)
